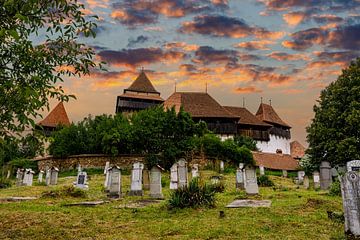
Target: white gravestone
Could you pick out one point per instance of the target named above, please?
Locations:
(174, 176)
(54, 172)
(136, 180)
(107, 166)
(350, 191)
(8, 174)
(262, 170)
(251, 186)
(316, 178)
(221, 166)
(47, 176)
(239, 179)
(155, 182)
(79, 168)
(106, 182)
(114, 181)
(182, 173)
(28, 177)
(19, 177)
(306, 182)
(284, 173)
(300, 175)
(81, 180)
(325, 175)
(195, 171)
(353, 165)
(40, 176)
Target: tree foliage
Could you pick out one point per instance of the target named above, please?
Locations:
(334, 134)
(38, 47)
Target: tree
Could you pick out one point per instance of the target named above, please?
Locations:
(334, 134)
(246, 141)
(30, 70)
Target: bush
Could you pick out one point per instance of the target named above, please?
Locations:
(265, 181)
(23, 163)
(66, 191)
(5, 183)
(335, 189)
(195, 195)
(218, 187)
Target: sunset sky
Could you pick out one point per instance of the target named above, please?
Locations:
(283, 50)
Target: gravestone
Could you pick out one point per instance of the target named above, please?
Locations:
(28, 177)
(316, 178)
(239, 178)
(47, 176)
(350, 191)
(306, 182)
(136, 180)
(284, 173)
(155, 182)
(325, 175)
(19, 177)
(8, 174)
(81, 180)
(174, 176)
(262, 170)
(106, 182)
(40, 176)
(79, 168)
(195, 171)
(182, 173)
(251, 186)
(114, 181)
(353, 165)
(107, 166)
(221, 166)
(300, 175)
(54, 172)
(146, 179)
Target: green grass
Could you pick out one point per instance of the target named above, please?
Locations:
(295, 214)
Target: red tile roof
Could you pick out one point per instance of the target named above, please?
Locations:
(142, 84)
(56, 117)
(246, 117)
(267, 114)
(139, 96)
(297, 150)
(275, 161)
(198, 104)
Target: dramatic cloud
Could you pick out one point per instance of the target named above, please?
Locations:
(249, 89)
(223, 26)
(140, 56)
(181, 45)
(255, 45)
(307, 38)
(295, 18)
(344, 56)
(282, 56)
(140, 39)
(345, 37)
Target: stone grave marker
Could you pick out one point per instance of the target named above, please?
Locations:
(300, 175)
(182, 173)
(54, 172)
(195, 171)
(251, 186)
(8, 174)
(28, 177)
(47, 176)
(239, 178)
(174, 176)
(107, 166)
(79, 168)
(155, 182)
(353, 165)
(136, 180)
(40, 176)
(316, 178)
(350, 191)
(114, 181)
(262, 170)
(249, 203)
(19, 177)
(106, 182)
(284, 173)
(146, 179)
(325, 175)
(306, 182)
(81, 180)
(222, 166)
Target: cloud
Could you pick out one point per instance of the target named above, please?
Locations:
(248, 89)
(181, 45)
(292, 91)
(345, 37)
(295, 18)
(282, 56)
(255, 45)
(140, 39)
(307, 38)
(134, 17)
(140, 56)
(342, 56)
(223, 26)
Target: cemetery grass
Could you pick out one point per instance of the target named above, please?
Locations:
(295, 214)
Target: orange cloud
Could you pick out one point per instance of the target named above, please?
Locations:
(294, 18)
(255, 45)
(282, 56)
(182, 45)
(249, 89)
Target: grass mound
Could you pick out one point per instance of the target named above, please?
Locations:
(66, 191)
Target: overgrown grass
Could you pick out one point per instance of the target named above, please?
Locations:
(65, 191)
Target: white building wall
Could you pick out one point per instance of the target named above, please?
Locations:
(275, 143)
(224, 137)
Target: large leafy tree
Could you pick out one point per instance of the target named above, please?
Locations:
(39, 47)
(334, 134)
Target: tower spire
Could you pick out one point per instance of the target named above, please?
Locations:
(270, 102)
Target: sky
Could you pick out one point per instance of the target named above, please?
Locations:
(285, 51)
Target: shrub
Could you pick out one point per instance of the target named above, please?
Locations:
(195, 195)
(335, 189)
(265, 181)
(66, 191)
(23, 163)
(218, 187)
(5, 183)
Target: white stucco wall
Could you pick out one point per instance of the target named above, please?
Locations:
(224, 137)
(275, 143)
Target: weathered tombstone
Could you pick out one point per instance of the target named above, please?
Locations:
(300, 175)
(325, 175)
(114, 181)
(155, 182)
(54, 172)
(306, 182)
(8, 174)
(284, 173)
(107, 166)
(316, 178)
(79, 168)
(353, 165)
(106, 182)
(221, 166)
(182, 173)
(146, 179)
(81, 180)
(262, 170)
(174, 176)
(239, 179)
(28, 177)
(195, 171)
(19, 177)
(136, 180)
(350, 191)
(40, 176)
(251, 186)
(47, 176)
